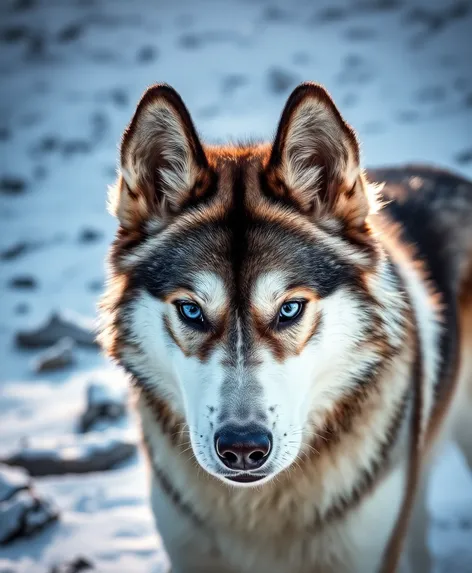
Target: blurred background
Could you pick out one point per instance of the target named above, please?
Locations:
(71, 73)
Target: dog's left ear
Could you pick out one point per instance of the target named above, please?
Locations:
(315, 158)
(162, 162)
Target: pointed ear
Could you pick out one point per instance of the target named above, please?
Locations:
(315, 158)
(162, 162)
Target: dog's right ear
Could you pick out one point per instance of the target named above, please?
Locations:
(162, 162)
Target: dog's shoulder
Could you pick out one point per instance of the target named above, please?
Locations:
(432, 211)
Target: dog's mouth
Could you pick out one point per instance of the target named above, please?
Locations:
(245, 477)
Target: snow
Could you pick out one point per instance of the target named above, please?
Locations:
(71, 75)
(22, 511)
(12, 480)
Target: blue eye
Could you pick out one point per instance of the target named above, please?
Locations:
(191, 311)
(290, 310)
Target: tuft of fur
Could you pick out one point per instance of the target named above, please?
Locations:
(161, 159)
(316, 157)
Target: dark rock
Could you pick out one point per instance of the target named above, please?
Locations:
(30, 118)
(99, 122)
(11, 185)
(110, 171)
(276, 14)
(15, 251)
(22, 512)
(75, 566)
(355, 70)
(464, 157)
(431, 94)
(24, 515)
(232, 82)
(39, 172)
(331, 14)
(23, 282)
(378, 5)
(95, 285)
(119, 97)
(354, 61)
(60, 355)
(23, 5)
(90, 235)
(146, 54)
(105, 403)
(338, 13)
(36, 47)
(350, 100)
(48, 144)
(59, 325)
(360, 33)
(465, 523)
(190, 41)
(4, 133)
(72, 454)
(281, 80)
(70, 33)
(74, 146)
(12, 480)
(22, 308)
(433, 20)
(21, 248)
(14, 34)
(103, 55)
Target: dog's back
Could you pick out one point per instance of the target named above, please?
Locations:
(433, 211)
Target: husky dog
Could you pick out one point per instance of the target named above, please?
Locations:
(297, 337)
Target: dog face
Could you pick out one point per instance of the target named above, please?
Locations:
(242, 291)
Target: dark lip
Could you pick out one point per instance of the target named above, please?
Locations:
(245, 478)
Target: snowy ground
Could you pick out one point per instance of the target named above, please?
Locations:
(71, 73)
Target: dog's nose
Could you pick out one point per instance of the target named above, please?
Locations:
(243, 448)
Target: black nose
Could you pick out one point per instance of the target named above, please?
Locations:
(243, 448)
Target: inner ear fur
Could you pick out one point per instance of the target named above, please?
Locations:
(162, 162)
(314, 160)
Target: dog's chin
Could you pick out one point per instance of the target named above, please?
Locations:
(238, 479)
(244, 479)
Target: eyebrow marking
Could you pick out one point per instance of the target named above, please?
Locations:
(268, 289)
(208, 289)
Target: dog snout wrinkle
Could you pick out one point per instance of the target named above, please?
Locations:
(245, 449)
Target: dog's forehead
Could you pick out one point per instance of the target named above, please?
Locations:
(262, 261)
(246, 246)
(206, 255)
